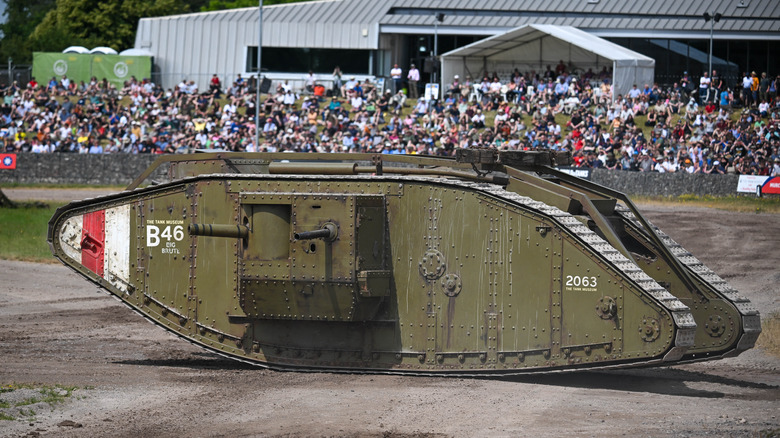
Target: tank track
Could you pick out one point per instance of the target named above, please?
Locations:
(683, 319)
(751, 320)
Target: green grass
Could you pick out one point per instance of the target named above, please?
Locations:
(49, 394)
(23, 233)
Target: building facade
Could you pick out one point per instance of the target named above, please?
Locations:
(365, 38)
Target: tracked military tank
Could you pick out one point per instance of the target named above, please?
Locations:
(486, 264)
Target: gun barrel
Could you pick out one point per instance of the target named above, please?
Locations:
(218, 230)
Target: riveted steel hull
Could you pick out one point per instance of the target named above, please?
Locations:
(370, 265)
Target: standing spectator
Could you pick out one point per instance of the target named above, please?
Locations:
(716, 85)
(763, 87)
(704, 87)
(754, 88)
(336, 79)
(414, 78)
(395, 75)
(747, 96)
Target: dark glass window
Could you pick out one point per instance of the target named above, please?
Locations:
(295, 60)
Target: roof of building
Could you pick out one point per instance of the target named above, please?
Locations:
(358, 23)
(608, 17)
(504, 43)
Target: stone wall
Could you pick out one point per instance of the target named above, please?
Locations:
(666, 184)
(121, 169)
(65, 168)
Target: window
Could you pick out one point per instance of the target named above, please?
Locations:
(323, 61)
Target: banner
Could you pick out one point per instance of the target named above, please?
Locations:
(768, 184)
(579, 172)
(73, 65)
(82, 67)
(118, 69)
(771, 185)
(7, 161)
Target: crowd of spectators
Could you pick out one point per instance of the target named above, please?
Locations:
(681, 128)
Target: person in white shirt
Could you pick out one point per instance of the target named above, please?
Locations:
(395, 74)
(763, 108)
(357, 103)
(747, 95)
(704, 86)
(65, 83)
(289, 98)
(311, 79)
(663, 165)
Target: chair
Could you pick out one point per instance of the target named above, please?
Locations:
(475, 93)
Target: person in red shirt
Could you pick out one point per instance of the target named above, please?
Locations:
(215, 84)
(32, 84)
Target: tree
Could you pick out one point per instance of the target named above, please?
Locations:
(93, 23)
(218, 5)
(21, 18)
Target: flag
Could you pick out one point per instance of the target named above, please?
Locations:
(7, 161)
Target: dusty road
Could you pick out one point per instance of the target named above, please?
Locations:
(136, 380)
(55, 194)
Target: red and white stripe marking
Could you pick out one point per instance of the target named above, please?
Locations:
(100, 241)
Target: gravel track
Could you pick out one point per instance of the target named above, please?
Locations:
(136, 380)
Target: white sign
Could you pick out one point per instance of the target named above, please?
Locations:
(748, 183)
(431, 91)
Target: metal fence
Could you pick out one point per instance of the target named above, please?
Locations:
(20, 73)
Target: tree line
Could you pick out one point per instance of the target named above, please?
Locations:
(53, 25)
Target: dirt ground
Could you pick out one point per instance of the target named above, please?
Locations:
(136, 380)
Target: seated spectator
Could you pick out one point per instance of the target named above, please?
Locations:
(663, 165)
(421, 108)
(348, 86)
(215, 86)
(454, 87)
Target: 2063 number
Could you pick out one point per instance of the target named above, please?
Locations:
(581, 281)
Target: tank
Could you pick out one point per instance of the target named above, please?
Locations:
(489, 263)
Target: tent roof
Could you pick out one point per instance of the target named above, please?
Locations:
(495, 46)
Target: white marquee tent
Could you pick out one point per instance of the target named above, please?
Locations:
(535, 46)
